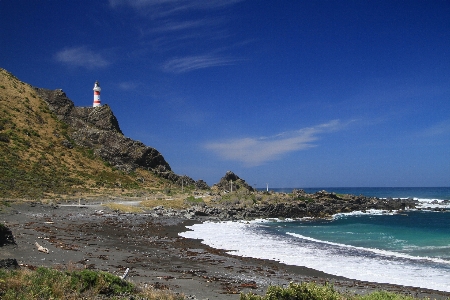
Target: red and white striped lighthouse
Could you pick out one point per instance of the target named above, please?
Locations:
(97, 90)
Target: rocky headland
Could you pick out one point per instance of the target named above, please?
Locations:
(98, 129)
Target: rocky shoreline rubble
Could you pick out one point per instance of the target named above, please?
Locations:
(297, 205)
(148, 244)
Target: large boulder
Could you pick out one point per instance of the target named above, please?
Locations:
(9, 263)
(6, 236)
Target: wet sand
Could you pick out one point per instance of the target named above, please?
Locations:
(92, 236)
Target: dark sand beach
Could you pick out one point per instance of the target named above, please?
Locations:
(94, 237)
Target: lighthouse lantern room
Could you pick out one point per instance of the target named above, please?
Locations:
(97, 90)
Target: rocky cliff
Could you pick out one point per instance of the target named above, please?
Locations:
(97, 128)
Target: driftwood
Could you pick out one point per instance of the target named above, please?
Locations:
(41, 249)
(125, 274)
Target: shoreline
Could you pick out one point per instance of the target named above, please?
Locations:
(150, 246)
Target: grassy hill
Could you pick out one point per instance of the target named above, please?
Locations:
(38, 159)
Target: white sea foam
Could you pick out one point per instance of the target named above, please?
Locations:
(432, 203)
(375, 212)
(243, 239)
(425, 203)
(384, 253)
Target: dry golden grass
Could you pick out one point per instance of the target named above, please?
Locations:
(124, 208)
(34, 163)
(175, 203)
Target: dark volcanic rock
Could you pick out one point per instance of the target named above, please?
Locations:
(180, 180)
(201, 185)
(6, 236)
(231, 178)
(97, 128)
(319, 205)
(9, 263)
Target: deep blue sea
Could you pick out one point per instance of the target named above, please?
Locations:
(408, 248)
(442, 193)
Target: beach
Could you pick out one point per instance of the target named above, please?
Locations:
(149, 245)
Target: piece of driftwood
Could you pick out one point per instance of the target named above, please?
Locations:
(125, 274)
(41, 249)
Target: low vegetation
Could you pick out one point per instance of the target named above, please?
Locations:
(175, 201)
(312, 291)
(46, 283)
(124, 208)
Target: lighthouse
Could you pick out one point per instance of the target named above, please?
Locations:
(97, 90)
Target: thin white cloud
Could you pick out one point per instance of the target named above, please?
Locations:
(81, 57)
(168, 7)
(190, 63)
(442, 128)
(257, 151)
(178, 29)
(171, 26)
(128, 85)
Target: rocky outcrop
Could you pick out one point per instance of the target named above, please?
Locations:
(180, 180)
(100, 118)
(318, 205)
(98, 129)
(231, 180)
(6, 236)
(201, 185)
(9, 263)
(319, 208)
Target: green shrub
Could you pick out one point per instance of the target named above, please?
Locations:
(312, 291)
(192, 200)
(46, 283)
(383, 295)
(306, 291)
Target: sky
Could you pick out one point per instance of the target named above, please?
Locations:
(286, 93)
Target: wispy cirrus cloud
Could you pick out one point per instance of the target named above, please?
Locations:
(81, 57)
(128, 85)
(256, 151)
(190, 63)
(439, 129)
(168, 7)
(173, 26)
(186, 35)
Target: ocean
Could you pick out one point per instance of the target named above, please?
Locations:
(410, 248)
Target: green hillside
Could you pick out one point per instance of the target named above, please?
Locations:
(39, 160)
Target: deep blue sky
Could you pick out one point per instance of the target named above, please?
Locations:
(290, 93)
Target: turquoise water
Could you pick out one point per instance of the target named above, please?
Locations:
(416, 233)
(408, 248)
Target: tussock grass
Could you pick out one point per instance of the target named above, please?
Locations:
(176, 203)
(313, 291)
(46, 283)
(124, 208)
